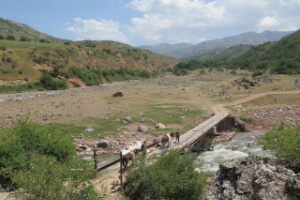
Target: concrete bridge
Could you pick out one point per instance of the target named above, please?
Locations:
(202, 135)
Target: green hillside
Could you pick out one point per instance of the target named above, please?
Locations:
(232, 52)
(20, 60)
(18, 31)
(278, 57)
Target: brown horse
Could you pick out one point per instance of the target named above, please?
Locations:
(164, 140)
(127, 157)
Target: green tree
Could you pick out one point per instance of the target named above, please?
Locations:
(283, 140)
(169, 176)
(10, 37)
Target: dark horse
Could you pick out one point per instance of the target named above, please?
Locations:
(127, 157)
(164, 140)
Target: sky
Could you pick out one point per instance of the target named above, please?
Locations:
(149, 22)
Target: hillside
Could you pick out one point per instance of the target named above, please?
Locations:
(249, 38)
(280, 57)
(24, 32)
(24, 60)
(165, 48)
(232, 52)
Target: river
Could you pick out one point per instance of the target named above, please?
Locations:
(245, 142)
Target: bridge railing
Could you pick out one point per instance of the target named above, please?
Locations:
(197, 133)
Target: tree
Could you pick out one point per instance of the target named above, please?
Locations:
(283, 140)
(169, 176)
(10, 37)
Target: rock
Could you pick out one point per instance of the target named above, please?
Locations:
(103, 143)
(118, 94)
(256, 178)
(89, 130)
(160, 126)
(126, 120)
(235, 147)
(142, 128)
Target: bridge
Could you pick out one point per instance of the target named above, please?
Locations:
(203, 134)
(207, 128)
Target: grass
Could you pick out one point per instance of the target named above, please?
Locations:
(102, 127)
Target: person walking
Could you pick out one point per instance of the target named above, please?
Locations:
(177, 136)
(144, 148)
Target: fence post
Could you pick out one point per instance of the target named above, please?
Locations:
(121, 171)
(95, 159)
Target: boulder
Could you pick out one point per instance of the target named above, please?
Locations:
(142, 128)
(160, 126)
(103, 143)
(89, 130)
(235, 147)
(126, 120)
(256, 177)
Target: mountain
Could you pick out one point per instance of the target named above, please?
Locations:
(232, 52)
(249, 38)
(39, 54)
(23, 31)
(165, 48)
(280, 57)
(24, 60)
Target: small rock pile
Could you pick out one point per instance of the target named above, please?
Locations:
(256, 178)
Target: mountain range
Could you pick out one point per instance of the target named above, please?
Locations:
(184, 50)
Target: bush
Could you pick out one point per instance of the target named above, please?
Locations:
(42, 40)
(40, 159)
(52, 84)
(202, 71)
(24, 39)
(10, 37)
(233, 72)
(90, 77)
(1, 37)
(170, 176)
(66, 43)
(257, 73)
(283, 140)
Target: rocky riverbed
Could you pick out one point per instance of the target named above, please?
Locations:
(259, 178)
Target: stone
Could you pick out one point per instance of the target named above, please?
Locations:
(126, 120)
(103, 143)
(143, 128)
(235, 147)
(256, 178)
(160, 126)
(89, 130)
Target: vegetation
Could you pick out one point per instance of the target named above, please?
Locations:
(283, 140)
(170, 176)
(39, 159)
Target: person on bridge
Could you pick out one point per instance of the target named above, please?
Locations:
(177, 136)
(144, 148)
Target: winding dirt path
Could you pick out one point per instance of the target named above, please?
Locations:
(220, 108)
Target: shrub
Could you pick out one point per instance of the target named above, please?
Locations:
(257, 73)
(202, 71)
(42, 40)
(24, 39)
(40, 159)
(170, 176)
(283, 140)
(52, 84)
(1, 37)
(233, 72)
(3, 48)
(66, 43)
(14, 64)
(10, 37)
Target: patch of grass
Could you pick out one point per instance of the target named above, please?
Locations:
(102, 127)
(173, 114)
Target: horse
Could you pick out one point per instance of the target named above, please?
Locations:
(127, 157)
(165, 139)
